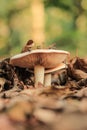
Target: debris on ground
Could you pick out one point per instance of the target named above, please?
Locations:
(62, 106)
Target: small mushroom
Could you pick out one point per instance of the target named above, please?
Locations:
(47, 79)
(39, 60)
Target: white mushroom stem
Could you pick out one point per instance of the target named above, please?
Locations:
(47, 80)
(39, 74)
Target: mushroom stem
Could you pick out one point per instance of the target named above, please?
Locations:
(39, 74)
(47, 80)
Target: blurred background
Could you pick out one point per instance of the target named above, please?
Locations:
(63, 22)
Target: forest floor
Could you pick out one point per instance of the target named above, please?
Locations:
(62, 106)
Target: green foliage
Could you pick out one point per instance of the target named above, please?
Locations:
(65, 24)
(8, 10)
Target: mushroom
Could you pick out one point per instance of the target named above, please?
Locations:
(39, 60)
(48, 72)
(47, 78)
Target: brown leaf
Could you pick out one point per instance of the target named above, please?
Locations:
(79, 74)
(5, 123)
(45, 116)
(82, 93)
(83, 106)
(79, 63)
(73, 121)
(76, 74)
(2, 82)
(82, 82)
(28, 46)
(19, 110)
(73, 85)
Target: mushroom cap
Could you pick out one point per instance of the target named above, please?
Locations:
(48, 58)
(59, 67)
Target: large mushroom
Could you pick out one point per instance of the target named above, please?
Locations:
(39, 60)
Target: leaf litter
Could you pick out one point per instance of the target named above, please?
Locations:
(62, 106)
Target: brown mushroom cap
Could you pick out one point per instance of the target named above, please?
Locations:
(52, 70)
(59, 67)
(48, 58)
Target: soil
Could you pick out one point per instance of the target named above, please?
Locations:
(61, 106)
